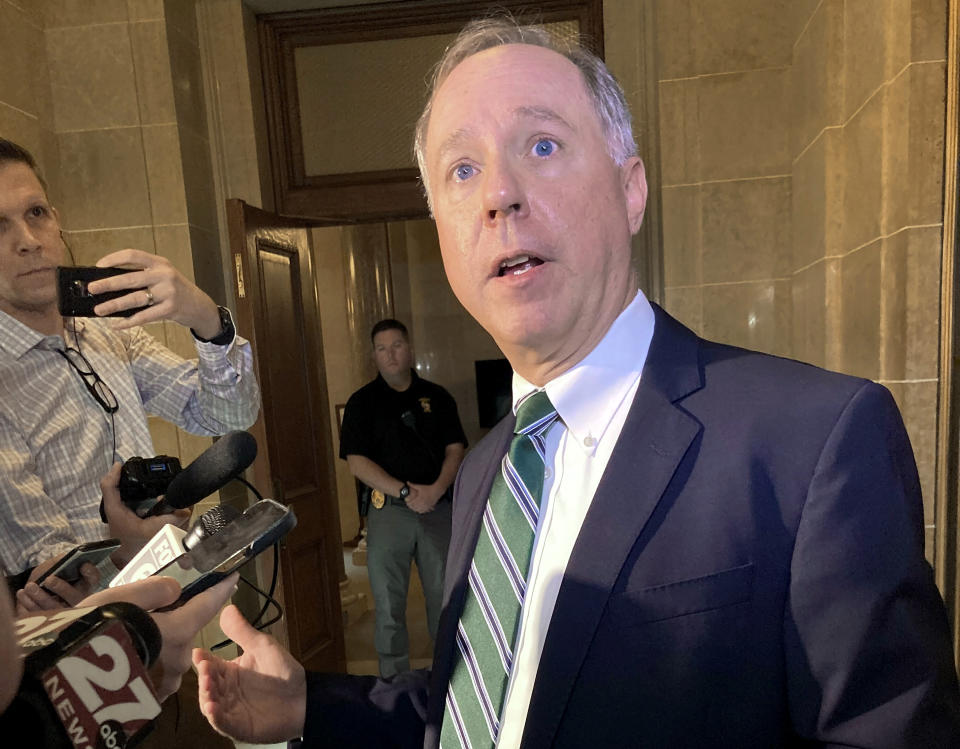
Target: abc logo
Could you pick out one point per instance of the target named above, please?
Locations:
(112, 736)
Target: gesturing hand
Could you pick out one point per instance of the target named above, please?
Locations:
(260, 697)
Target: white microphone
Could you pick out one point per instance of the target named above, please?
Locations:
(165, 546)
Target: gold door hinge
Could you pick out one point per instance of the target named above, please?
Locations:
(238, 263)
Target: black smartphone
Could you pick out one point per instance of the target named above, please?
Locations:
(263, 524)
(67, 567)
(75, 300)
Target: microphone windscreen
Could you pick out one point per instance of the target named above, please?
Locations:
(222, 462)
(210, 523)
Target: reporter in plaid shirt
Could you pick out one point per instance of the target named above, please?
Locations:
(74, 396)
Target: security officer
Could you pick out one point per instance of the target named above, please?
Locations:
(402, 437)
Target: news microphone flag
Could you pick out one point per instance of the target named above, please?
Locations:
(85, 677)
(165, 546)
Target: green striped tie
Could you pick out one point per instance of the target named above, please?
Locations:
(487, 630)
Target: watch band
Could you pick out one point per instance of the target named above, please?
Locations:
(227, 329)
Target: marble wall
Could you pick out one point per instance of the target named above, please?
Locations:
(724, 71)
(802, 157)
(26, 105)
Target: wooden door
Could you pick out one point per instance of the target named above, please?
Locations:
(277, 311)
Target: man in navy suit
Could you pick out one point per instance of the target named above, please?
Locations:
(729, 548)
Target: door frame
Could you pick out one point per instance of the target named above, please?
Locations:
(947, 493)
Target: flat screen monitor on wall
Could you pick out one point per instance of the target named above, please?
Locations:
(494, 396)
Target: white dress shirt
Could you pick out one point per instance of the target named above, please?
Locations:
(592, 400)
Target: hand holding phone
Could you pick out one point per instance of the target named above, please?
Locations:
(67, 567)
(61, 583)
(74, 298)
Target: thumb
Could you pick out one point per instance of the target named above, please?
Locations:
(90, 574)
(238, 629)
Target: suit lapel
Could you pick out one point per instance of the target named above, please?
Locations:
(654, 439)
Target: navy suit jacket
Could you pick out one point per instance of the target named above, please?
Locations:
(750, 573)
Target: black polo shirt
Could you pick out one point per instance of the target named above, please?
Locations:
(405, 433)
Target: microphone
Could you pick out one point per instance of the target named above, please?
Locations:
(219, 464)
(85, 680)
(209, 524)
(170, 542)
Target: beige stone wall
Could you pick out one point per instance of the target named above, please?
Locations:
(26, 106)
(724, 72)
(802, 151)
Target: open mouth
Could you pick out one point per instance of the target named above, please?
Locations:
(516, 266)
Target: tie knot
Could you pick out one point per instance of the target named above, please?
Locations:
(535, 414)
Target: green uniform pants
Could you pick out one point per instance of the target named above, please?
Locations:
(396, 536)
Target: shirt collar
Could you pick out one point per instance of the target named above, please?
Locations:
(588, 394)
(17, 338)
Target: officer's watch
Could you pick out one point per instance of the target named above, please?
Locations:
(227, 331)
(404, 491)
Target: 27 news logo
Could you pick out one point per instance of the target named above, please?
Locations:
(102, 693)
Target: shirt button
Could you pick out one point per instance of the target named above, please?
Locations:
(548, 473)
(589, 441)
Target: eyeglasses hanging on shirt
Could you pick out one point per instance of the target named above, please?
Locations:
(94, 384)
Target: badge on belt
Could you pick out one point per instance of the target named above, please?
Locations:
(377, 499)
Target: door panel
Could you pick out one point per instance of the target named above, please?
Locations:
(277, 311)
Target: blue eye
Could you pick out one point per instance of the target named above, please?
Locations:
(464, 171)
(544, 147)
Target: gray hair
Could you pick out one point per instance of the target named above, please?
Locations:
(496, 31)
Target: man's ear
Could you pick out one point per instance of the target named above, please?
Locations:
(634, 180)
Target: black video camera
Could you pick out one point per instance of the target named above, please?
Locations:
(142, 480)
